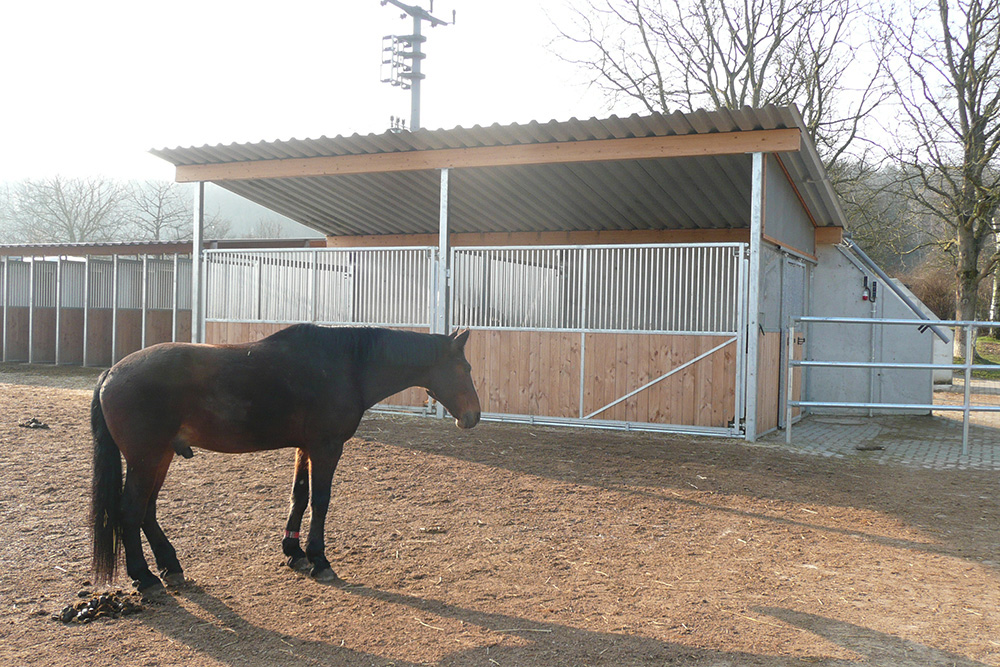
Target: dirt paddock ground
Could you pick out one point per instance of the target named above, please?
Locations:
(511, 545)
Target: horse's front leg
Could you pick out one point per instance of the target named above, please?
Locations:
(323, 462)
(300, 500)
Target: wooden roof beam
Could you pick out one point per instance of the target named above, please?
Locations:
(597, 150)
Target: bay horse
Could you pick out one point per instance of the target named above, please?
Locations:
(305, 386)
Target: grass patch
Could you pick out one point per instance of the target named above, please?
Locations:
(987, 352)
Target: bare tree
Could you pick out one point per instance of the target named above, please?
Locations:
(949, 92)
(719, 54)
(216, 226)
(59, 210)
(895, 232)
(266, 229)
(158, 210)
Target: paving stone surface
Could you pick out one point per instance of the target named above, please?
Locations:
(919, 441)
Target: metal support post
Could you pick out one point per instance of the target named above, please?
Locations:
(444, 257)
(197, 241)
(970, 353)
(789, 383)
(31, 312)
(86, 307)
(753, 298)
(6, 298)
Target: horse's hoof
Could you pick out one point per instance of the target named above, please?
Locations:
(151, 591)
(147, 585)
(299, 564)
(174, 579)
(326, 575)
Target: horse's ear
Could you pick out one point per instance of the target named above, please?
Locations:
(459, 339)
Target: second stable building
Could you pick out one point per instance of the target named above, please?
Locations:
(636, 272)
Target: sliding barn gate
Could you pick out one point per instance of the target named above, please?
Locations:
(639, 336)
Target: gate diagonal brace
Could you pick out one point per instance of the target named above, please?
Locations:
(662, 377)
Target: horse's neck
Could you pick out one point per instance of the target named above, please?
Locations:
(381, 381)
(387, 372)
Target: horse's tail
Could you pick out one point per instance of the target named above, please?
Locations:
(105, 493)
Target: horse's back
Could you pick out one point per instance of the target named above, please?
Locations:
(231, 398)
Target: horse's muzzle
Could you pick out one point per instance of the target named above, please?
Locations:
(467, 420)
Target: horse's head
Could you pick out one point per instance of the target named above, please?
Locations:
(450, 383)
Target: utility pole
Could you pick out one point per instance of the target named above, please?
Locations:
(404, 53)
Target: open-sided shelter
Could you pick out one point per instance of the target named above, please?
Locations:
(631, 272)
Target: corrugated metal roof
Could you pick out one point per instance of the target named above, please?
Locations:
(669, 193)
(144, 247)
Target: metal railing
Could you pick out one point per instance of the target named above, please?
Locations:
(331, 286)
(676, 288)
(967, 327)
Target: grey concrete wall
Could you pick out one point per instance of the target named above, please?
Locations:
(785, 220)
(836, 292)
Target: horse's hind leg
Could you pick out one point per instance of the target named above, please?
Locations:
(323, 464)
(164, 552)
(290, 545)
(140, 482)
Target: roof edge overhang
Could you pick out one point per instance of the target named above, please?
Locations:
(129, 248)
(562, 152)
(610, 173)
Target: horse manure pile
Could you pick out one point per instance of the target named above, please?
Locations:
(92, 606)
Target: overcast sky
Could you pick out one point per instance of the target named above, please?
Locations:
(90, 87)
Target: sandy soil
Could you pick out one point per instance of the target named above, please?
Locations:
(511, 545)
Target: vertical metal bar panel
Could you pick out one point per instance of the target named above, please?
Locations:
(144, 301)
(114, 309)
(312, 286)
(259, 286)
(713, 268)
(174, 292)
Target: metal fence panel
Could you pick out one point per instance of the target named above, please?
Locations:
(71, 287)
(19, 290)
(101, 283)
(129, 284)
(653, 288)
(379, 286)
(160, 284)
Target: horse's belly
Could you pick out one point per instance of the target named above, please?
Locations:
(229, 439)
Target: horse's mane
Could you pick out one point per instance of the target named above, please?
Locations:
(369, 344)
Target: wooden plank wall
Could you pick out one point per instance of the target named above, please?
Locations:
(768, 379)
(129, 339)
(538, 373)
(17, 334)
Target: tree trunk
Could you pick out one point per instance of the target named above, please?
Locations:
(968, 284)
